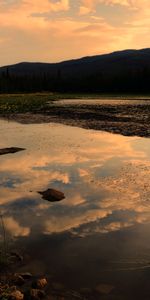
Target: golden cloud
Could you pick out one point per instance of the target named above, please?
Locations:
(14, 228)
(91, 195)
(52, 31)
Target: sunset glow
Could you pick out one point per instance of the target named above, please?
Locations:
(55, 30)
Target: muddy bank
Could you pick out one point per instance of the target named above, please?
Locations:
(127, 119)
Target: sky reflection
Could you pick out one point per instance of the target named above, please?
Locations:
(105, 179)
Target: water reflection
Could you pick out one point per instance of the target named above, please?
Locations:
(108, 101)
(105, 179)
(100, 173)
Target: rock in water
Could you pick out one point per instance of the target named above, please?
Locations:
(10, 150)
(40, 283)
(16, 295)
(52, 195)
(26, 275)
(18, 280)
(36, 294)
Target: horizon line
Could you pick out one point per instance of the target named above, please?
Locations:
(73, 59)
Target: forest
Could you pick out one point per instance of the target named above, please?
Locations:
(129, 82)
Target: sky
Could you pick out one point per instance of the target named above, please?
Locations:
(57, 30)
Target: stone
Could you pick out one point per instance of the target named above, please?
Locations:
(18, 279)
(16, 295)
(39, 283)
(36, 294)
(26, 275)
(12, 288)
(10, 150)
(52, 195)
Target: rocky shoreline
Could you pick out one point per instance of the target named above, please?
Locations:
(127, 119)
(25, 286)
(16, 284)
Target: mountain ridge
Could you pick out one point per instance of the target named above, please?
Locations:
(126, 51)
(99, 73)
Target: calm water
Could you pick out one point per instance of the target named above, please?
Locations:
(101, 101)
(100, 233)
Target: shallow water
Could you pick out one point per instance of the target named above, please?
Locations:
(104, 101)
(99, 234)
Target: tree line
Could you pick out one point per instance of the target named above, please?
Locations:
(129, 81)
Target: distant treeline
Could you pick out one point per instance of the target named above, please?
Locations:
(130, 81)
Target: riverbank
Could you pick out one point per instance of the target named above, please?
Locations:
(129, 118)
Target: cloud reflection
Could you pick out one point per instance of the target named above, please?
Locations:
(105, 179)
(14, 228)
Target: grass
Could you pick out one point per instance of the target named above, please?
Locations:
(21, 103)
(37, 102)
(4, 292)
(41, 102)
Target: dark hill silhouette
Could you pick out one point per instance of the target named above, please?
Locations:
(122, 71)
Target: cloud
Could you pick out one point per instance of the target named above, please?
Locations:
(74, 200)
(106, 187)
(14, 228)
(74, 221)
(89, 6)
(35, 5)
(56, 30)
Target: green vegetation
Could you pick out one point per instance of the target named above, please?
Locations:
(36, 102)
(4, 292)
(41, 102)
(21, 103)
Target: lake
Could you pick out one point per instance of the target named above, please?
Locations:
(99, 234)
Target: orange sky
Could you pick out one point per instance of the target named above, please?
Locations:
(54, 30)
